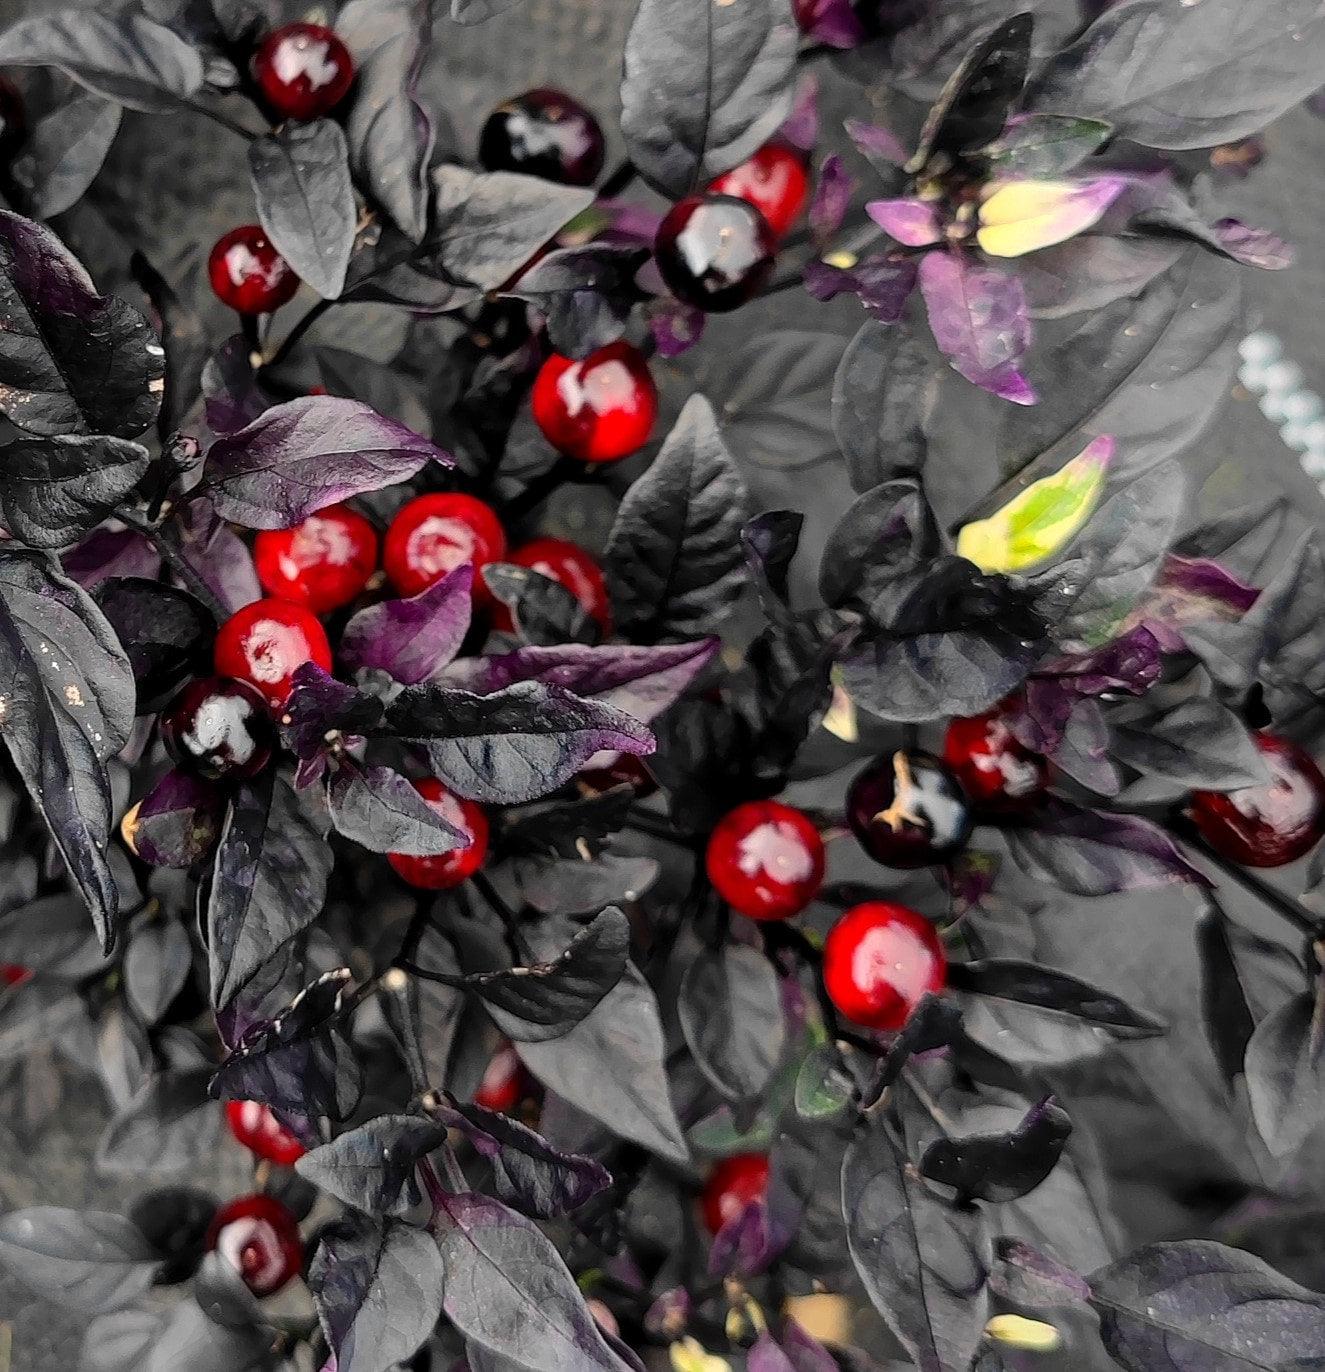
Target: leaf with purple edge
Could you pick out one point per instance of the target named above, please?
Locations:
(1190, 591)
(177, 821)
(913, 223)
(379, 809)
(639, 680)
(833, 190)
(303, 455)
(507, 1291)
(412, 639)
(318, 704)
(378, 1292)
(882, 282)
(1090, 853)
(216, 552)
(980, 320)
(879, 145)
(1255, 247)
(528, 1172)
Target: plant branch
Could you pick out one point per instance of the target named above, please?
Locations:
(224, 120)
(286, 345)
(483, 885)
(171, 554)
(618, 180)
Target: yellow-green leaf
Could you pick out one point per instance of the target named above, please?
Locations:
(1016, 1331)
(1034, 525)
(689, 1355)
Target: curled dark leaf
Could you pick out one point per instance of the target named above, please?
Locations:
(372, 1167)
(1029, 984)
(1001, 1167)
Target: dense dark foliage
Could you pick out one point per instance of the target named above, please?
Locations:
(482, 897)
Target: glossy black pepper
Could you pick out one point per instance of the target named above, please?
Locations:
(908, 810)
(715, 252)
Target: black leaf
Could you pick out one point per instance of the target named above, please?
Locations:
(528, 1172)
(1001, 1167)
(611, 1067)
(923, 1263)
(166, 633)
(50, 936)
(544, 611)
(128, 59)
(378, 1290)
(981, 94)
(730, 1009)
(54, 490)
(268, 885)
(1029, 984)
(884, 385)
(673, 558)
(72, 361)
(380, 809)
(571, 886)
(702, 90)
(301, 181)
(514, 745)
(372, 1167)
(559, 826)
(67, 708)
(584, 293)
(87, 1261)
(1198, 744)
(1169, 1307)
(507, 1291)
(549, 998)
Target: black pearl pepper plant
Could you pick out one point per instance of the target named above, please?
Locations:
(623, 920)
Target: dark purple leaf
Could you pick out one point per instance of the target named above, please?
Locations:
(177, 821)
(584, 293)
(298, 1062)
(126, 58)
(701, 92)
(1091, 853)
(923, 1263)
(301, 456)
(71, 361)
(640, 681)
(800, 129)
(981, 321)
(910, 221)
(833, 23)
(219, 556)
(514, 745)
(109, 552)
(1252, 246)
(378, 1291)
(730, 1008)
(232, 397)
(268, 885)
(673, 558)
(165, 632)
(1285, 1067)
(1025, 1276)
(766, 1355)
(832, 198)
(1170, 1307)
(67, 709)
(1190, 591)
(390, 133)
(381, 810)
(882, 146)
(319, 705)
(747, 1243)
(301, 183)
(547, 999)
(372, 1166)
(528, 1172)
(411, 640)
(87, 1260)
(882, 282)
(1213, 73)
(610, 1066)
(675, 327)
(63, 152)
(1001, 1167)
(1029, 984)
(507, 1291)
